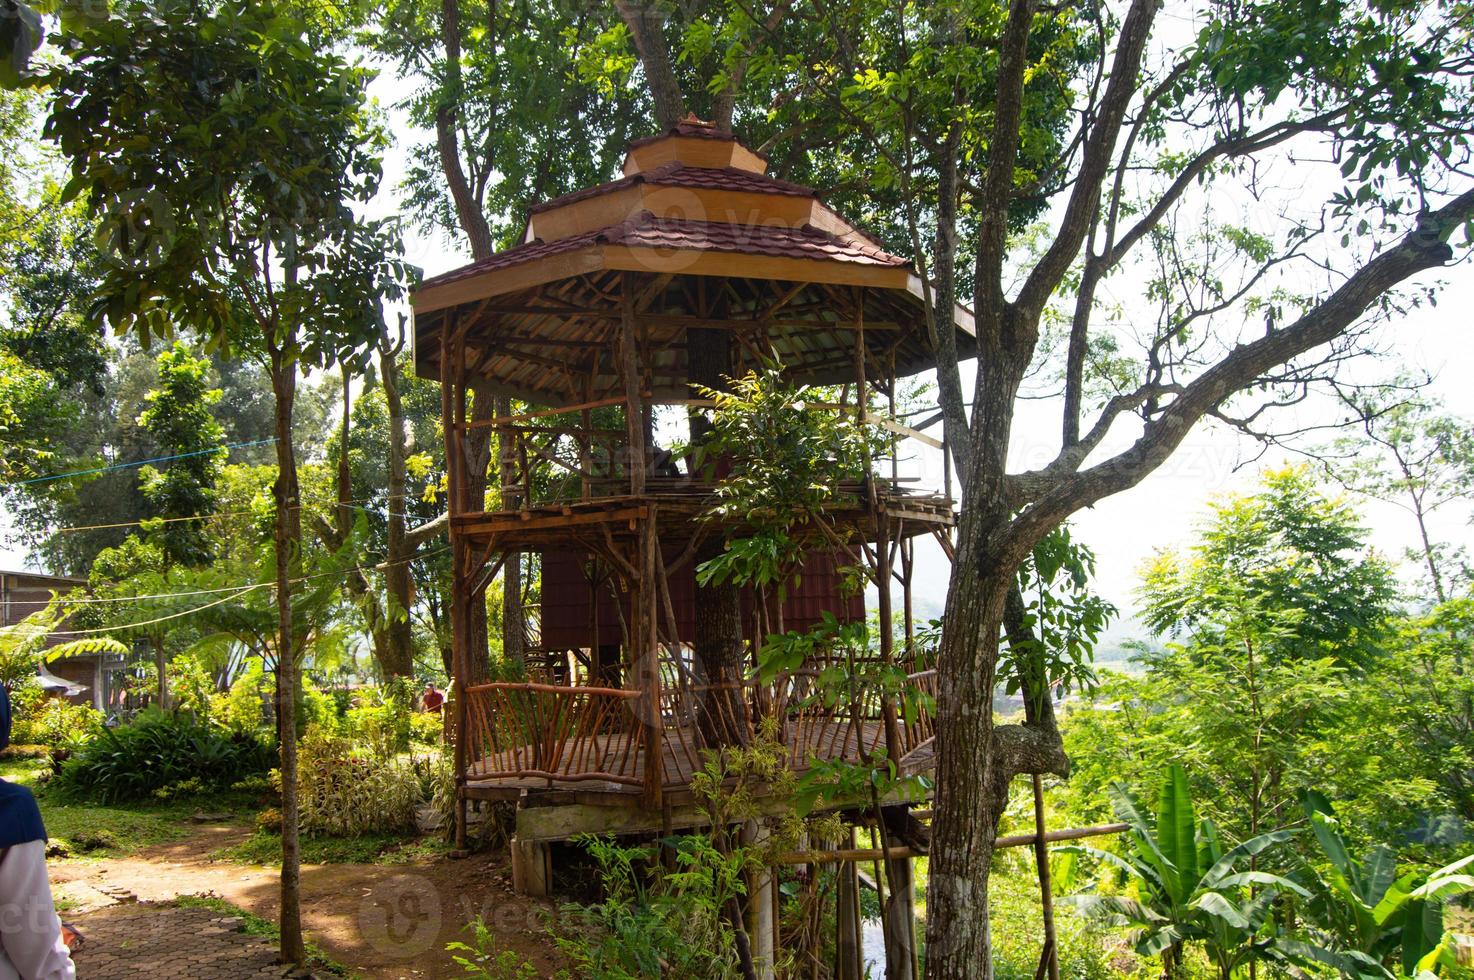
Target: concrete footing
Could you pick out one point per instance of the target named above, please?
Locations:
(532, 868)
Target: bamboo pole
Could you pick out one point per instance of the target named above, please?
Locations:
(1049, 958)
(849, 947)
(871, 854)
(452, 409)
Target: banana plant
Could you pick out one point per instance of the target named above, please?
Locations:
(1185, 887)
(1368, 916)
(23, 645)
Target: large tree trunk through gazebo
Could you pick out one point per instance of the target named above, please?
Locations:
(718, 638)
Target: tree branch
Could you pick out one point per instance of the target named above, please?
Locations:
(468, 206)
(1080, 212)
(645, 23)
(998, 181)
(1030, 748)
(417, 536)
(1424, 247)
(1115, 250)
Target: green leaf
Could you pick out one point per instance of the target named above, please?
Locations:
(1215, 904)
(1177, 829)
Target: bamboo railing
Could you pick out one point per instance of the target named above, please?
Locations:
(552, 461)
(545, 731)
(525, 730)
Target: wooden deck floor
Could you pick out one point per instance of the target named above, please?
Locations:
(683, 507)
(679, 759)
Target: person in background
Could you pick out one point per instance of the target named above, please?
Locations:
(31, 946)
(432, 699)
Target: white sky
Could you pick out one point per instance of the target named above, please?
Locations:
(1163, 510)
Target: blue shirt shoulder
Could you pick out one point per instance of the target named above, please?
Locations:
(20, 817)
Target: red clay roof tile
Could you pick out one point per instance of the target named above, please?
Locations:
(690, 127)
(677, 174)
(645, 230)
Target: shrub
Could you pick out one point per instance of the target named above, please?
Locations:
(381, 719)
(319, 709)
(100, 839)
(52, 722)
(242, 709)
(184, 789)
(426, 728)
(191, 686)
(482, 961)
(345, 794)
(160, 750)
(671, 926)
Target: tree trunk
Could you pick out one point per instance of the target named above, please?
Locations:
(161, 665)
(288, 541)
(645, 21)
(473, 222)
(514, 632)
(976, 760)
(478, 465)
(967, 807)
(718, 645)
(397, 658)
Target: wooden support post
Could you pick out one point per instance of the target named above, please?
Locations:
(453, 414)
(890, 398)
(1049, 959)
(895, 749)
(946, 468)
(908, 605)
(849, 948)
(629, 370)
(645, 631)
(899, 915)
(761, 921)
(532, 868)
(586, 444)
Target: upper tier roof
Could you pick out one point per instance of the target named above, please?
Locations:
(692, 203)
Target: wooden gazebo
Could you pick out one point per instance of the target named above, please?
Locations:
(591, 321)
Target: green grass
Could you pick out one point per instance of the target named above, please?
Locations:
(91, 830)
(26, 771)
(265, 848)
(82, 829)
(254, 925)
(100, 831)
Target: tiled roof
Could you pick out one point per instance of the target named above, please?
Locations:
(516, 255)
(806, 242)
(677, 174)
(689, 127)
(645, 230)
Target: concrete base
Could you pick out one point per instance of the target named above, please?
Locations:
(532, 868)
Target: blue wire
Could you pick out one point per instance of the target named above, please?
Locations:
(144, 462)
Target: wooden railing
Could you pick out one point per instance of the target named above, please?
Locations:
(548, 458)
(544, 731)
(919, 723)
(546, 465)
(572, 734)
(853, 727)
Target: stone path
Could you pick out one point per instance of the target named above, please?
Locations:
(167, 942)
(381, 922)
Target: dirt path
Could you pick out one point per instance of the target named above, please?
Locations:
(384, 921)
